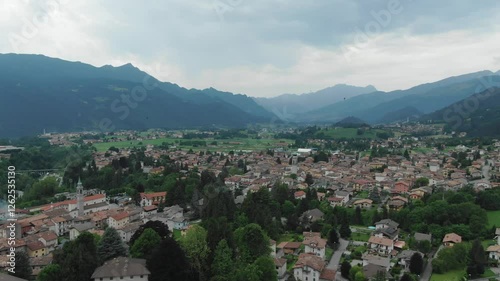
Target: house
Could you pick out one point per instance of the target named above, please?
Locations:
(363, 203)
(493, 252)
(290, 248)
(299, 195)
(497, 233)
(119, 220)
(78, 229)
(422, 237)
(128, 231)
(405, 256)
(396, 203)
(122, 268)
(311, 216)
(344, 195)
(451, 239)
(39, 263)
(314, 245)
(386, 223)
(383, 262)
(149, 210)
(148, 199)
(335, 201)
(381, 245)
(280, 265)
(370, 271)
(401, 187)
(312, 268)
(417, 194)
(387, 232)
(36, 249)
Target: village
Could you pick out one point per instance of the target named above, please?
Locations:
(348, 180)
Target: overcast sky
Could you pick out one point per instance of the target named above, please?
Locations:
(264, 47)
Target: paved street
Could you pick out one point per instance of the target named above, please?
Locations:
(335, 260)
(486, 171)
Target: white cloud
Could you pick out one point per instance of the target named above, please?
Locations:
(262, 48)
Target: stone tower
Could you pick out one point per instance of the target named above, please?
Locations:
(79, 198)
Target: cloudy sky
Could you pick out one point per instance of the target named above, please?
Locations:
(264, 47)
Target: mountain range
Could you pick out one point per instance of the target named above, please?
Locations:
(477, 115)
(39, 92)
(295, 105)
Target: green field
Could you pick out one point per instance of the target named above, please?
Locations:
(338, 133)
(222, 144)
(359, 236)
(454, 275)
(493, 218)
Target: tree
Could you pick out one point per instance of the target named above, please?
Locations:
(345, 268)
(223, 263)
(309, 179)
(51, 272)
(251, 242)
(345, 230)
(416, 263)
(169, 262)
(477, 259)
(111, 245)
(158, 226)
(333, 237)
(358, 218)
(266, 268)
(195, 246)
(287, 209)
(421, 182)
(406, 154)
(359, 276)
(23, 267)
(380, 276)
(354, 270)
(406, 277)
(144, 246)
(78, 259)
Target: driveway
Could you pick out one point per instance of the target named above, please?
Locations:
(335, 260)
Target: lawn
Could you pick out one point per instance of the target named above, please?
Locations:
(328, 253)
(493, 218)
(348, 133)
(290, 237)
(177, 234)
(222, 145)
(454, 275)
(488, 273)
(360, 236)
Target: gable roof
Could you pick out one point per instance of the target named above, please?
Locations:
(381, 241)
(121, 267)
(422, 237)
(310, 260)
(452, 237)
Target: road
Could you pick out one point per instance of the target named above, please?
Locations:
(335, 260)
(426, 275)
(486, 170)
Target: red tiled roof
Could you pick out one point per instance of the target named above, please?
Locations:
(120, 216)
(153, 195)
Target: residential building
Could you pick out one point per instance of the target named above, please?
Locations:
(451, 239)
(148, 199)
(122, 268)
(383, 246)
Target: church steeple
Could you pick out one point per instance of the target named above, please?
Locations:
(79, 197)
